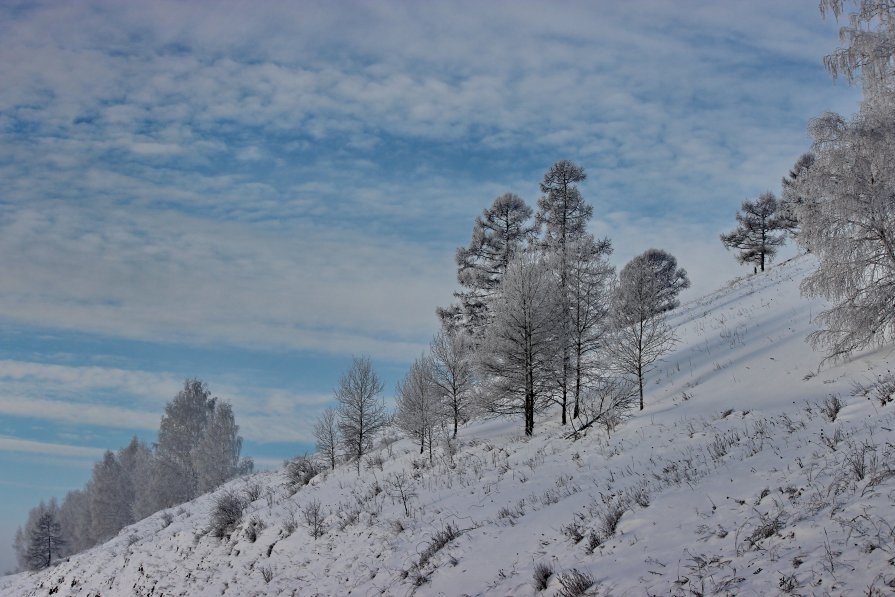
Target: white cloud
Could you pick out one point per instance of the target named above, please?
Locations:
(14, 444)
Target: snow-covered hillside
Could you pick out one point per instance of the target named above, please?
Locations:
(739, 477)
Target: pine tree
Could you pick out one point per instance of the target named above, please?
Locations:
(754, 237)
(497, 236)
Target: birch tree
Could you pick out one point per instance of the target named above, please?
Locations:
(361, 412)
(641, 334)
(453, 373)
(326, 432)
(419, 410)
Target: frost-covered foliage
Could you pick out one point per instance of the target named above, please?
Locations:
(641, 333)
(498, 235)
(849, 222)
(521, 349)
(361, 412)
(757, 234)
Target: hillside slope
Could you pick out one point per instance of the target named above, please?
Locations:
(737, 478)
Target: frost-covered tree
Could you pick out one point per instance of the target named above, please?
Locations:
(215, 458)
(589, 279)
(110, 498)
(850, 227)
(137, 461)
(45, 540)
(757, 237)
(181, 429)
(564, 215)
(868, 54)
(326, 432)
(641, 334)
(361, 412)
(419, 410)
(791, 201)
(74, 516)
(850, 221)
(453, 372)
(498, 234)
(519, 354)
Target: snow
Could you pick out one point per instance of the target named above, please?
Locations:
(731, 481)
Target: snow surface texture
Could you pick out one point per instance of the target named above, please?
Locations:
(741, 477)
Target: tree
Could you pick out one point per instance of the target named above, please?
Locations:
(74, 517)
(45, 541)
(497, 236)
(869, 53)
(518, 356)
(215, 458)
(668, 280)
(326, 432)
(181, 429)
(849, 223)
(453, 372)
(641, 334)
(564, 215)
(419, 410)
(850, 227)
(110, 497)
(361, 413)
(754, 236)
(589, 280)
(791, 201)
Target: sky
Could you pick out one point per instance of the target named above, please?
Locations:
(252, 193)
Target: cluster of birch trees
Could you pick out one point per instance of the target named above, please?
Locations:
(198, 449)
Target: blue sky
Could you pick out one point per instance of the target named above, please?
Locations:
(252, 193)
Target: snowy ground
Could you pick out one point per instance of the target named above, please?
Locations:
(738, 478)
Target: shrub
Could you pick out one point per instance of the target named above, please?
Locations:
(300, 470)
(226, 514)
(542, 573)
(252, 492)
(313, 515)
(439, 540)
(255, 526)
(575, 583)
(831, 407)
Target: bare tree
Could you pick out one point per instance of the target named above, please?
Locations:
(453, 372)
(518, 357)
(590, 277)
(641, 334)
(326, 432)
(420, 411)
(361, 412)
(755, 237)
(606, 403)
(45, 542)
